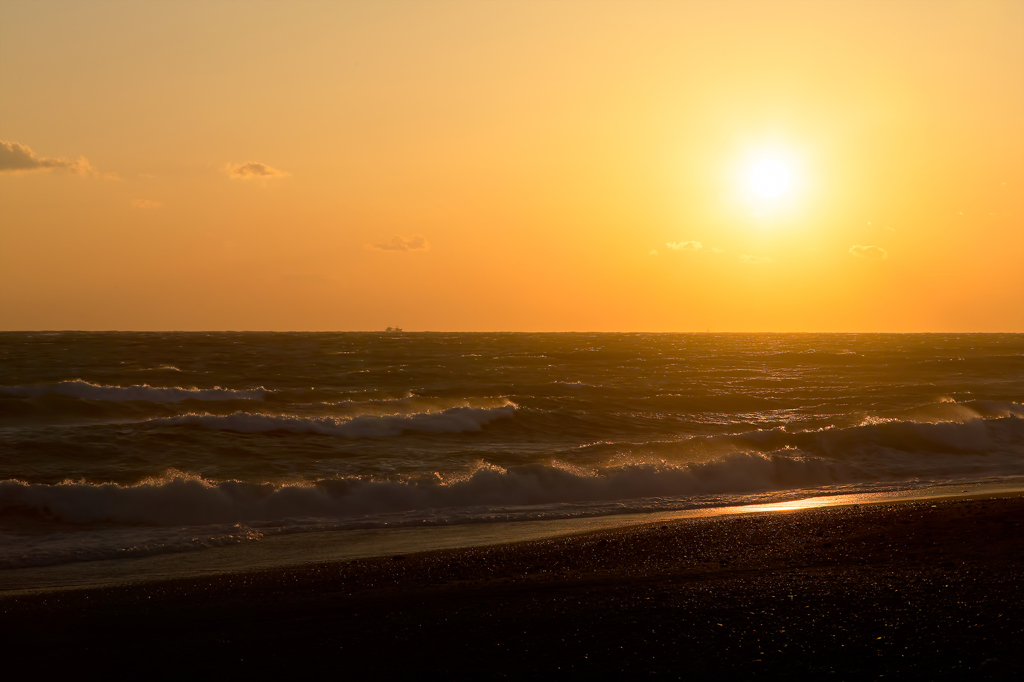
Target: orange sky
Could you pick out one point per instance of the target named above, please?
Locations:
(511, 166)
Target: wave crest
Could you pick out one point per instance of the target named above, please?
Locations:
(452, 420)
(1003, 433)
(181, 499)
(142, 393)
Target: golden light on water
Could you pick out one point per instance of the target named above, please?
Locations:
(807, 503)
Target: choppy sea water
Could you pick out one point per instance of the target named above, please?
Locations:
(121, 445)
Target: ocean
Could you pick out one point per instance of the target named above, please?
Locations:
(115, 447)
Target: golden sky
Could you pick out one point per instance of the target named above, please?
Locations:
(534, 166)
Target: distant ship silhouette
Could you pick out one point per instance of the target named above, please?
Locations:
(393, 329)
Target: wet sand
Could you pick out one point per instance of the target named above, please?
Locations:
(915, 590)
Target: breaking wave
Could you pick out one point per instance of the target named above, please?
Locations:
(181, 512)
(874, 435)
(452, 420)
(182, 499)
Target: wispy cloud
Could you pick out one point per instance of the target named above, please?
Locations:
(252, 170)
(652, 252)
(414, 243)
(16, 158)
(146, 204)
(746, 258)
(685, 246)
(872, 252)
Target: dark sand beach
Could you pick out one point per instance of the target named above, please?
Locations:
(911, 590)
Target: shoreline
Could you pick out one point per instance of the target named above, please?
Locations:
(288, 551)
(927, 589)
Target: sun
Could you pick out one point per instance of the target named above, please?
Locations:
(769, 178)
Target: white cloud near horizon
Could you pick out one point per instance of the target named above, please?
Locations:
(16, 157)
(146, 204)
(685, 246)
(416, 242)
(252, 170)
(871, 252)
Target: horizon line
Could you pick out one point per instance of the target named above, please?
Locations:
(442, 331)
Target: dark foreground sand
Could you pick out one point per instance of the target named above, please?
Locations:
(915, 590)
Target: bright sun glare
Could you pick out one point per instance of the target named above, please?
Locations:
(769, 178)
